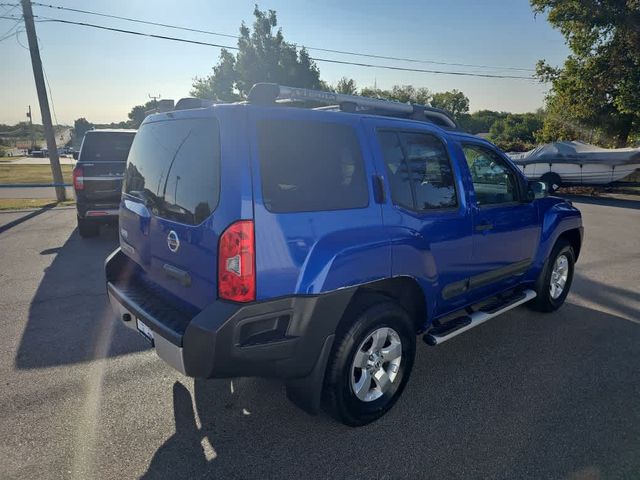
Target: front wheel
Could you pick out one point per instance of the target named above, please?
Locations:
(555, 280)
(370, 363)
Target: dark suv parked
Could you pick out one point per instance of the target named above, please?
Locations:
(97, 177)
(313, 244)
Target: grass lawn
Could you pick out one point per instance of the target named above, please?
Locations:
(31, 173)
(24, 203)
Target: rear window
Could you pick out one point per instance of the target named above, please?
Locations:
(174, 168)
(310, 166)
(106, 147)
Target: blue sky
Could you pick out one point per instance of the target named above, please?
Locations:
(100, 75)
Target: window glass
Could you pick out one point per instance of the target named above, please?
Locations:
(397, 170)
(419, 172)
(493, 181)
(106, 147)
(431, 172)
(310, 166)
(174, 167)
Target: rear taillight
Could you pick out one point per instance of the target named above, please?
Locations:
(78, 178)
(236, 263)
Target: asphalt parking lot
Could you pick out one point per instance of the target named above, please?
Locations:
(526, 395)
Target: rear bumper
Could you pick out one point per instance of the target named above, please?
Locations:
(282, 338)
(97, 210)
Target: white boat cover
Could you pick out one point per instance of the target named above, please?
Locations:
(576, 152)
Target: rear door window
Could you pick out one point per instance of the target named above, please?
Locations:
(419, 172)
(106, 147)
(310, 166)
(174, 168)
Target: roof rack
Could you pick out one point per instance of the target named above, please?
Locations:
(269, 93)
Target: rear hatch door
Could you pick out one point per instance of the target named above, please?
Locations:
(103, 157)
(171, 188)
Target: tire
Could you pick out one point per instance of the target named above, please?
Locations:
(548, 299)
(377, 316)
(88, 228)
(552, 180)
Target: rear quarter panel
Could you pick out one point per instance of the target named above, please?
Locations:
(313, 252)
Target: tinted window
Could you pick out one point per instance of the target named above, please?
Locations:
(419, 172)
(397, 169)
(310, 166)
(106, 147)
(493, 181)
(174, 167)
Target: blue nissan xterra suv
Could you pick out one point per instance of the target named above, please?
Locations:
(314, 244)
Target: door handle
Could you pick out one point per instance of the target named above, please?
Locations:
(378, 189)
(484, 227)
(177, 274)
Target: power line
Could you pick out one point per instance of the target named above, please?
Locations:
(327, 50)
(317, 59)
(9, 33)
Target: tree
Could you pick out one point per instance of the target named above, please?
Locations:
(455, 102)
(597, 91)
(346, 85)
(516, 131)
(263, 56)
(138, 113)
(400, 93)
(480, 121)
(80, 127)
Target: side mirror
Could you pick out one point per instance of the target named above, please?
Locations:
(75, 155)
(537, 190)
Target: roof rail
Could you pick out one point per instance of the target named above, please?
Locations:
(188, 103)
(269, 93)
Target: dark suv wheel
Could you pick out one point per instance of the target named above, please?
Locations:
(555, 279)
(370, 363)
(88, 228)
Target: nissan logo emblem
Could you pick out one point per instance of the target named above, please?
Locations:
(173, 242)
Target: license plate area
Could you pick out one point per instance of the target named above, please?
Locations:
(144, 330)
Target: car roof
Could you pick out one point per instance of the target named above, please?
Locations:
(212, 109)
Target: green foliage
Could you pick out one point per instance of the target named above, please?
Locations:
(346, 85)
(80, 127)
(516, 131)
(263, 56)
(480, 121)
(400, 93)
(138, 113)
(596, 94)
(455, 102)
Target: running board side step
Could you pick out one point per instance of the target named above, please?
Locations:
(448, 330)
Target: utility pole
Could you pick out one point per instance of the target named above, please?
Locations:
(36, 63)
(33, 133)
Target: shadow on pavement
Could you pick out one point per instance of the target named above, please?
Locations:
(605, 201)
(621, 300)
(525, 396)
(69, 314)
(24, 218)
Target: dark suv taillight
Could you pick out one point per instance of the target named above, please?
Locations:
(236, 263)
(78, 178)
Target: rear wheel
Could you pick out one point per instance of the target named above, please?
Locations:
(555, 279)
(370, 363)
(88, 228)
